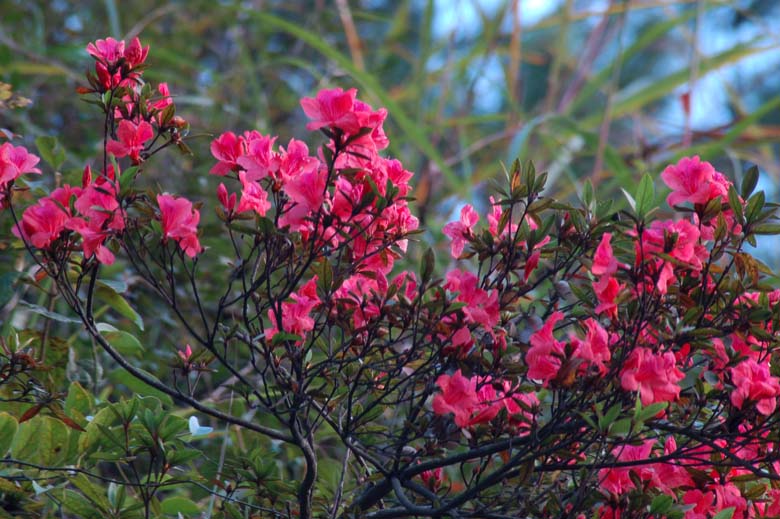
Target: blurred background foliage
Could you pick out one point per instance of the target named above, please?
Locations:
(603, 90)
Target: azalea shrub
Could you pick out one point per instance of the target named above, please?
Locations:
(585, 359)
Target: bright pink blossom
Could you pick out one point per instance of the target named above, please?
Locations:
(333, 108)
(617, 480)
(654, 375)
(42, 223)
(135, 54)
(460, 232)
(595, 347)
(227, 148)
(702, 504)
(132, 139)
(296, 316)
(544, 358)
(107, 51)
(481, 307)
(753, 382)
(607, 289)
(15, 161)
(253, 196)
(473, 401)
(227, 201)
(689, 180)
(180, 222)
(604, 262)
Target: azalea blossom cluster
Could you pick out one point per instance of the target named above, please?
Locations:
(94, 214)
(365, 213)
(660, 264)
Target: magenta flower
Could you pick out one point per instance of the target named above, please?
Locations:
(654, 375)
(108, 51)
(253, 196)
(180, 222)
(333, 108)
(132, 139)
(689, 180)
(460, 232)
(753, 382)
(226, 148)
(296, 315)
(604, 261)
(42, 223)
(15, 161)
(544, 358)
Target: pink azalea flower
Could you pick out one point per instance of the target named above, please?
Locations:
(228, 202)
(227, 148)
(135, 54)
(473, 401)
(702, 504)
(753, 382)
(654, 375)
(460, 232)
(93, 237)
(458, 396)
(604, 261)
(15, 161)
(333, 108)
(186, 354)
(132, 139)
(689, 180)
(481, 307)
(618, 481)
(260, 159)
(307, 193)
(107, 51)
(544, 358)
(253, 196)
(180, 222)
(595, 347)
(607, 289)
(42, 223)
(296, 316)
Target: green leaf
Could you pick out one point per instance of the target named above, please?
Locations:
(631, 201)
(766, 228)
(79, 506)
(642, 414)
(50, 151)
(92, 492)
(749, 181)
(735, 204)
(79, 399)
(175, 505)
(40, 440)
(49, 314)
(8, 427)
(645, 195)
(726, 513)
(108, 295)
(125, 343)
(754, 206)
(661, 504)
